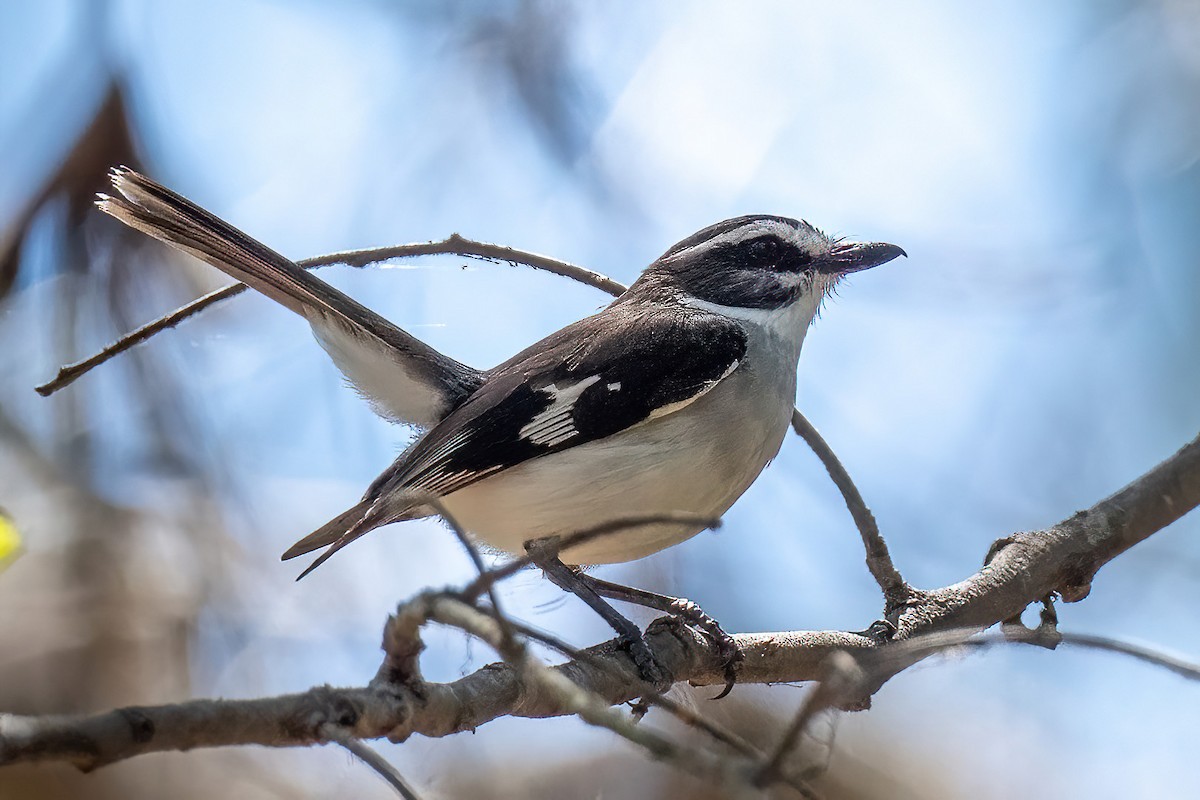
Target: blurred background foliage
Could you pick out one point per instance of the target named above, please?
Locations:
(1039, 348)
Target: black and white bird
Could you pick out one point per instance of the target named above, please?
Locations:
(673, 398)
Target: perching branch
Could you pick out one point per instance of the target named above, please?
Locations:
(558, 688)
(650, 697)
(1028, 567)
(509, 644)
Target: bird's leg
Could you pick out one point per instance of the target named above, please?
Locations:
(683, 609)
(544, 556)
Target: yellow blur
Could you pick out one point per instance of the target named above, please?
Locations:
(10, 540)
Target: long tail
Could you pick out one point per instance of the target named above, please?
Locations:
(404, 378)
(157, 211)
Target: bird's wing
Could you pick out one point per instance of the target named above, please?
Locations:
(595, 378)
(590, 380)
(403, 378)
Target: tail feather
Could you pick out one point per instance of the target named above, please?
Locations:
(171, 218)
(351, 524)
(330, 532)
(344, 540)
(406, 378)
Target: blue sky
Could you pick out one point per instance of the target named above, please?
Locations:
(1035, 351)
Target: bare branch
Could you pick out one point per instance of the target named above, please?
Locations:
(1026, 569)
(452, 245)
(368, 756)
(842, 676)
(595, 710)
(584, 536)
(649, 697)
(481, 568)
(93, 741)
(896, 591)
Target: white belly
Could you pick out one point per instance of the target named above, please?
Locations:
(699, 460)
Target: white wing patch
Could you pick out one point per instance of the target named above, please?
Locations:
(555, 424)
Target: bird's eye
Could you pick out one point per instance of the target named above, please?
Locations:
(765, 251)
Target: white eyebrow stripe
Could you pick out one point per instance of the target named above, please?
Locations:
(750, 230)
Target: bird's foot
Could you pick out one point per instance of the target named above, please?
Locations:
(881, 630)
(680, 610)
(728, 651)
(649, 669)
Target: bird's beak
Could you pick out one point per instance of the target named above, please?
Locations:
(847, 257)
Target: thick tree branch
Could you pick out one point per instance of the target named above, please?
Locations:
(1027, 568)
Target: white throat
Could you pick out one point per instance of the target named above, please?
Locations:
(787, 325)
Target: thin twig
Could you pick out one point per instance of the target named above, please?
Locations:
(588, 706)
(509, 568)
(651, 697)
(477, 560)
(896, 591)
(372, 759)
(842, 674)
(893, 654)
(1188, 669)
(452, 245)
(70, 373)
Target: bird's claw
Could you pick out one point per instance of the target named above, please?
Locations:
(732, 657)
(881, 630)
(727, 649)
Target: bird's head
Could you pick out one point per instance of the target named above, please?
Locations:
(759, 262)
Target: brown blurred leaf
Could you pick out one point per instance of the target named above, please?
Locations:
(106, 141)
